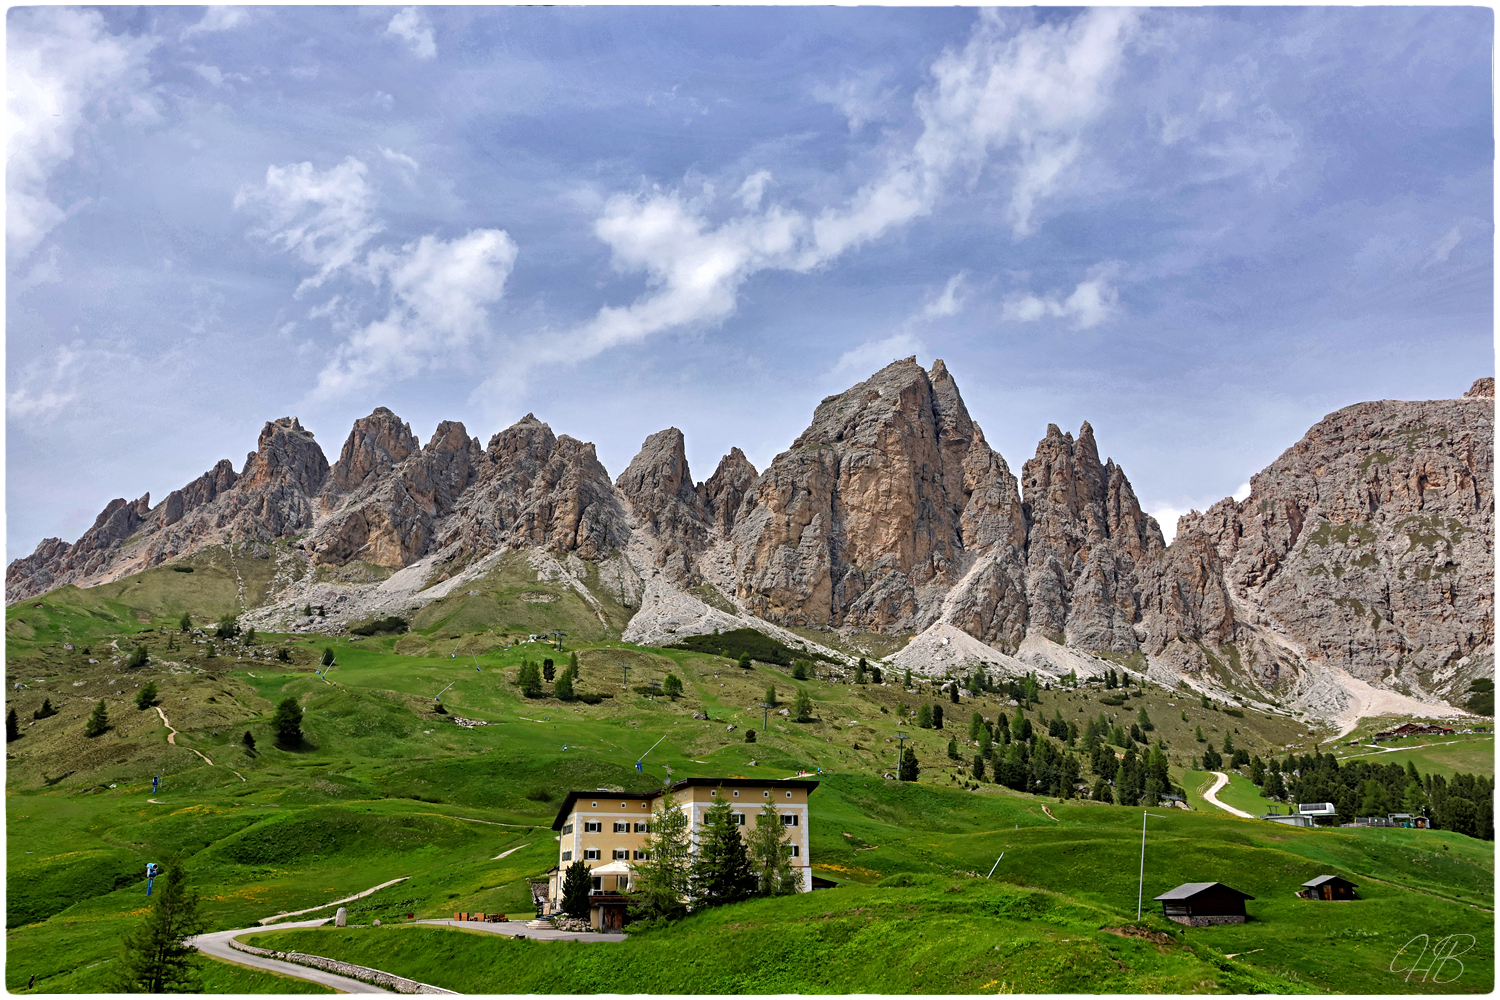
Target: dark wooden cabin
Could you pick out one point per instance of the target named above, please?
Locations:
(1328, 887)
(1199, 904)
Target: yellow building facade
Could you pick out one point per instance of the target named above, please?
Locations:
(608, 830)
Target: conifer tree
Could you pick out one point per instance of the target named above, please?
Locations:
(573, 662)
(979, 767)
(287, 723)
(721, 871)
(661, 881)
(744, 661)
(770, 857)
(46, 711)
(859, 671)
(146, 696)
(803, 708)
(156, 957)
(530, 679)
(908, 769)
(672, 687)
(563, 688)
(575, 891)
(1198, 734)
(937, 715)
(771, 695)
(924, 716)
(186, 623)
(98, 723)
(138, 658)
(799, 670)
(976, 723)
(12, 728)
(953, 749)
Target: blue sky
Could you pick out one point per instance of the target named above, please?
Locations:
(1199, 229)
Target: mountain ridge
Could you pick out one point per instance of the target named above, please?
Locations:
(891, 514)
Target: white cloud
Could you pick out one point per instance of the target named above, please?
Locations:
(1093, 301)
(873, 355)
(217, 19)
(401, 159)
(754, 189)
(1029, 93)
(948, 302)
(1241, 491)
(439, 293)
(1439, 251)
(1166, 516)
(410, 25)
(325, 217)
(212, 74)
(64, 72)
(45, 272)
(860, 97)
(48, 387)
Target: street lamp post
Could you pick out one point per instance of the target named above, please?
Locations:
(1140, 886)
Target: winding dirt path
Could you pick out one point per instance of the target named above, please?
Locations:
(172, 737)
(1212, 795)
(336, 902)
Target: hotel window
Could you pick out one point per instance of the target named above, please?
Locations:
(643, 855)
(736, 793)
(591, 854)
(788, 794)
(766, 794)
(738, 819)
(622, 882)
(643, 828)
(788, 819)
(622, 828)
(567, 829)
(567, 855)
(620, 854)
(592, 827)
(794, 850)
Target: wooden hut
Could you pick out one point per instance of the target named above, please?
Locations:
(1199, 904)
(1328, 887)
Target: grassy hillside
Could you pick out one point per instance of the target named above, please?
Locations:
(385, 786)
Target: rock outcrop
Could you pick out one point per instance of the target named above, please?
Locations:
(665, 502)
(1368, 545)
(880, 507)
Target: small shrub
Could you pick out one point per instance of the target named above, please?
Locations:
(395, 623)
(539, 794)
(182, 569)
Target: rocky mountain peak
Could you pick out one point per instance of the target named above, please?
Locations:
(725, 490)
(285, 452)
(375, 444)
(1483, 388)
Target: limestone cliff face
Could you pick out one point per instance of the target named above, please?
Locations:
(665, 502)
(1369, 544)
(385, 495)
(534, 488)
(725, 490)
(878, 509)
(1089, 544)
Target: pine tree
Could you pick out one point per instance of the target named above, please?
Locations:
(46, 711)
(187, 622)
(250, 636)
(1102, 793)
(530, 679)
(744, 661)
(307, 611)
(138, 659)
(986, 745)
(953, 692)
(228, 628)
(283, 655)
(672, 687)
(12, 727)
(1198, 734)
(563, 688)
(1257, 770)
(937, 716)
(1228, 745)
(979, 767)
(799, 670)
(953, 749)
(661, 878)
(1275, 787)
(210, 651)
(924, 716)
(769, 857)
(146, 696)
(908, 769)
(573, 663)
(976, 723)
(156, 957)
(1144, 720)
(906, 680)
(721, 871)
(575, 891)
(859, 671)
(750, 736)
(771, 695)
(98, 723)
(287, 723)
(875, 675)
(803, 708)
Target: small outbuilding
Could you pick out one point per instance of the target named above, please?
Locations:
(1199, 904)
(1328, 887)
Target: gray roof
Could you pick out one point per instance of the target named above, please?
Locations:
(1314, 882)
(1190, 889)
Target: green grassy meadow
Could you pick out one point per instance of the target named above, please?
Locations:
(387, 787)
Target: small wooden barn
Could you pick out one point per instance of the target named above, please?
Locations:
(1328, 887)
(1199, 904)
